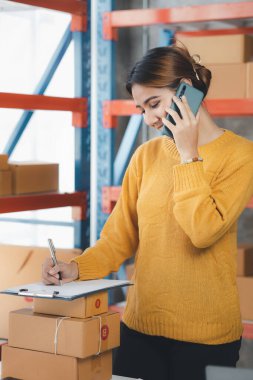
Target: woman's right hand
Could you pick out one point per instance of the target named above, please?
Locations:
(50, 273)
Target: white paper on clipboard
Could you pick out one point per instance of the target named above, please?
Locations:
(68, 291)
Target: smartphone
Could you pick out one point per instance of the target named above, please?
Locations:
(194, 98)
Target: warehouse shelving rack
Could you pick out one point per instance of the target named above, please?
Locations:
(79, 32)
(114, 108)
(171, 16)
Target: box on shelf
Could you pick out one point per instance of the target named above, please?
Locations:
(234, 48)
(34, 177)
(29, 365)
(245, 260)
(249, 91)
(76, 337)
(22, 265)
(5, 182)
(4, 162)
(228, 81)
(84, 307)
(245, 289)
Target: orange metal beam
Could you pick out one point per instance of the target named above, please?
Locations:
(214, 32)
(69, 6)
(197, 13)
(42, 201)
(217, 107)
(110, 195)
(41, 102)
(230, 107)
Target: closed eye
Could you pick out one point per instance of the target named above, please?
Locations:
(155, 105)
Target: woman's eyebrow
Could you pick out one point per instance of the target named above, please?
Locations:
(147, 100)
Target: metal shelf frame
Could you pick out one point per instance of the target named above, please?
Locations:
(79, 33)
(114, 108)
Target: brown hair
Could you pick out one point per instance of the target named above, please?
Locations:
(166, 67)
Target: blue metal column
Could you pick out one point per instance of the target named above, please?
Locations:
(105, 137)
(82, 135)
(39, 90)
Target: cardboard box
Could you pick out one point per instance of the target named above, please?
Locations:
(34, 177)
(76, 337)
(79, 308)
(234, 48)
(22, 265)
(228, 81)
(245, 260)
(5, 182)
(2, 342)
(33, 365)
(4, 162)
(249, 90)
(245, 289)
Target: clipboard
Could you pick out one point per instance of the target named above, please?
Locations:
(68, 292)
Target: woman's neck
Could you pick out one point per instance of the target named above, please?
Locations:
(208, 130)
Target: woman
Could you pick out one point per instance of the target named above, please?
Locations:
(177, 213)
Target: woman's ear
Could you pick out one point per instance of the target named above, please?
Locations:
(185, 80)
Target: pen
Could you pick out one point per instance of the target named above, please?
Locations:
(53, 256)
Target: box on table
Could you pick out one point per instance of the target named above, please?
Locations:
(34, 177)
(245, 289)
(236, 48)
(76, 337)
(228, 81)
(245, 260)
(33, 365)
(84, 307)
(4, 162)
(5, 182)
(249, 90)
(22, 265)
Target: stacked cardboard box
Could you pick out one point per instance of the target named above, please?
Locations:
(58, 339)
(228, 57)
(34, 177)
(27, 177)
(245, 280)
(5, 176)
(22, 265)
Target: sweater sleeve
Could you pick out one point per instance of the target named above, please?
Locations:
(206, 213)
(119, 237)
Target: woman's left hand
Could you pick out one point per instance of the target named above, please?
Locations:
(185, 132)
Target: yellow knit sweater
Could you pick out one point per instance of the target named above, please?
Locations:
(179, 220)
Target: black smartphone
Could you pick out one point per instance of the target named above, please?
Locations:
(194, 98)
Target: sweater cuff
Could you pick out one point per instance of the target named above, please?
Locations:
(188, 176)
(87, 267)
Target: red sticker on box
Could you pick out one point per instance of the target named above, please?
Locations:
(28, 299)
(97, 303)
(104, 332)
